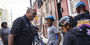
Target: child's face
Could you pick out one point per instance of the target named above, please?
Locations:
(64, 28)
(49, 22)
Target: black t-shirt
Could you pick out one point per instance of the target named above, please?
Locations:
(81, 17)
(23, 31)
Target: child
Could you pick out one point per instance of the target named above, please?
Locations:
(52, 31)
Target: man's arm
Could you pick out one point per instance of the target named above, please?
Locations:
(15, 30)
(1, 38)
(11, 39)
(58, 34)
(1, 35)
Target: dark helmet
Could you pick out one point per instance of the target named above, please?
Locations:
(49, 17)
(80, 4)
(67, 20)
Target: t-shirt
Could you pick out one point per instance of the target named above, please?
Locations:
(23, 31)
(51, 33)
(81, 17)
(5, 32)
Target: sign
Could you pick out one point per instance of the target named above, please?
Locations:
(36, 18)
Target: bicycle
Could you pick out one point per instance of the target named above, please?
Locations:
(38, 40)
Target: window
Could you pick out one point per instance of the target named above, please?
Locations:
(39, 3)
(47, 7)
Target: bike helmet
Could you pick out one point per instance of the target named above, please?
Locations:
(67, 20)
(80, 4)
(49, 17)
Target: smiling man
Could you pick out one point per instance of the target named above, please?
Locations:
(22, 29)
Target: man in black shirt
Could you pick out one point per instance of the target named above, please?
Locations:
(82, 12)
(22, 29)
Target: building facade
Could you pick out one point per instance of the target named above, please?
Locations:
(57, 8)
(44, 8)
(72, 5)
(89, 4)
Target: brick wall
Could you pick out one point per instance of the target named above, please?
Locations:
(64, 5)
(89, 5)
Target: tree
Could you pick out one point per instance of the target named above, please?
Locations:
(1, 11)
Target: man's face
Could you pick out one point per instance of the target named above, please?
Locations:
(5, 25)
(83, 8)
(78, 10)
(49, 22)
(31, 15)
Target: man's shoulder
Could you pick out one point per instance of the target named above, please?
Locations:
(53, 28)
(20, 19)
(88, 15)
(72, 31)
(77, 16)
(70, 34)
(80, 16)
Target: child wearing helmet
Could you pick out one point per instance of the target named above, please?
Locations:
(82, 12)
(79, 35)
(66, 23)
(52, 31)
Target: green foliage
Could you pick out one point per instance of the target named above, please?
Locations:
(1, 11)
